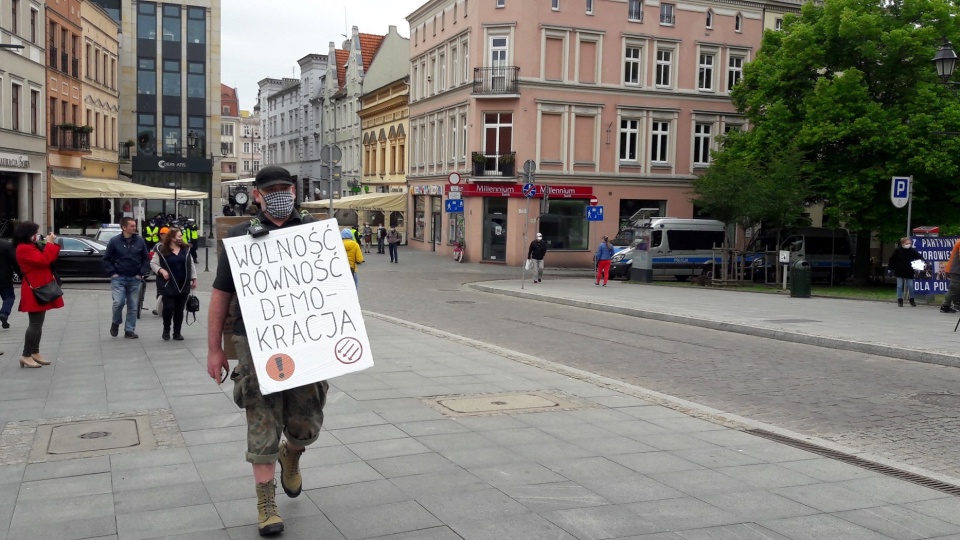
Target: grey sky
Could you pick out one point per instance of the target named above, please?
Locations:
(265, 38)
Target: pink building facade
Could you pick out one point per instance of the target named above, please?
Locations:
(617, 100)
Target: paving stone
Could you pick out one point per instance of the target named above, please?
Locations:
(151, 477)
(62, 510)
(487, 423)
(71, 486)
(431, 427)
(717, 457)
(440, 482)
(629, 488)
(756, 505)
(356, 523)
(699, 482)
(211, 421)
(413, 464)
(76, 529)
(461, 506)
(517, 473)
(389, 448)
(212, 436)
(336, 475)
(230, 488)
(600, 522)
(516, 437)
(767, 476)
(900, 523)
(69, 467)
(828, 497)
(654, 462)
(551, 452)
(364, 494)
(433, 533)
(740, 531)
(828, 470)
(368, 433)
(159, 498)
(818, 527)
(519, 527)
(682, 513)
(945, 509)
(543, 498)
(172, 521)
(892, 490)
(224, 468)
(454, 441)
(151, 458)
(239, 512)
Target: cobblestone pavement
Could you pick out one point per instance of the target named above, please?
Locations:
(866, 402)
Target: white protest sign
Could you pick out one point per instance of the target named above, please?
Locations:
(299, 304)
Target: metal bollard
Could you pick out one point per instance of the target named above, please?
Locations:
(206, 255)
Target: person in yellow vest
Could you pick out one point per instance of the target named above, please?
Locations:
(152, 232)
(191, 235)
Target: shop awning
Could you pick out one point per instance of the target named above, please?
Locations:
(63, 187)
(237, 182)
(384, 202)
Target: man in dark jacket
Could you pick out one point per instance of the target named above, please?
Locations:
(126, 261)
(8, 267)
(538, 248)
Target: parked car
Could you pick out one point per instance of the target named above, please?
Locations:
(80, 257)
(828, 251)
(106, 232)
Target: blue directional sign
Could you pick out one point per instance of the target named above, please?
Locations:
(594, 213)
(454, 205)
(529, 190)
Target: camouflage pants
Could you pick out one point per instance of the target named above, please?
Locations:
(296, 413)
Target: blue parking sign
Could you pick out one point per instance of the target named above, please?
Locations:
(594, 213)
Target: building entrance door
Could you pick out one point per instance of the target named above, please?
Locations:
(495, 229)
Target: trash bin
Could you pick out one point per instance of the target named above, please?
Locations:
(800, 280)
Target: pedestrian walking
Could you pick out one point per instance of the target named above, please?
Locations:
(901, 262)
(538, 248)
(191, 235)
(952, 271)
(8, 267)
(367, 234)
(393, 241)
(35, 257)
(176, 268)
(354, 254)
(297, 412)
(603, 256)
(126, 261)
(381, 238)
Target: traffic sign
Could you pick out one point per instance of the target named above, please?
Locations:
(454, 178)
(900, 191)
(529, 166)
(529, 190)
(594, 201)
(594, 213)
(454, 205)
(331, 153)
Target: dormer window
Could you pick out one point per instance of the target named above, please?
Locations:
(709, 19)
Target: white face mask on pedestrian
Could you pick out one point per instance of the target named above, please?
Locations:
(906, 245)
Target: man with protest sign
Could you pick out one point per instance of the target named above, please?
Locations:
(297, 412)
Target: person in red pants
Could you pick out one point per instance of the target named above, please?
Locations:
(603, 256)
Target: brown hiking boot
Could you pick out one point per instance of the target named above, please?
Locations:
(268, 520)
(290, 478)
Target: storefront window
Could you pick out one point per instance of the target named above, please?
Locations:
(419, 219)
(565, 227)
(455, 228)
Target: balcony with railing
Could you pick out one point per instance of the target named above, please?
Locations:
(123, 152)
(53, 57)
(70, 139)
(496, 81)
(493, 167)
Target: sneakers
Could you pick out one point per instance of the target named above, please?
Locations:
(130, 335)
(114, 329)
(290, 479)
(268, 517)
(3, 322)
(913, 302)
(947, 309)
(899, 302)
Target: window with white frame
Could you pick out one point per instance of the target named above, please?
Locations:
(246, 148)
(589, 7)
(667, 14)
(663, 71)
(441, 141)
(555, 5)
(629, 139)
(414, 143)
(705, 71)
(635, 10)
(500, 4)
(423, 144)
(709, 18)
(463, 137)
(246, 165)
(454, 66)
(660, 142)
(735, 71)
(466, 61)
(443, 71)
(413, 88)
(453, 139)
(632, 65)
(778, 23)
(738, 23)
(431, 75)
(701, 144)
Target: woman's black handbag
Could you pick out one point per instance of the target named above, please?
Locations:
(47, 293)
(193, 306)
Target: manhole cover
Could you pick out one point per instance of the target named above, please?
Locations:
(96, 436)
(791, 321)
(501, 403)
(461, 302)
(942, 400)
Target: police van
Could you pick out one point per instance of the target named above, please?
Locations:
(678, 247)
(829, 252)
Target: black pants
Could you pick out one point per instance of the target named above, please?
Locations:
(379, 245)
(393, 253)
(31, 340)
(173, 309)
(953, 294)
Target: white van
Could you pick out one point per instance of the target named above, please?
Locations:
(678, 247)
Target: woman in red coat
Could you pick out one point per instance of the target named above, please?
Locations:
(34, 259)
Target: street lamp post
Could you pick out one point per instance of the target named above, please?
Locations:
(175, 186)
(945, 61)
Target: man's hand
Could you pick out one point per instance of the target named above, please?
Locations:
(193, 283)
(216, 364)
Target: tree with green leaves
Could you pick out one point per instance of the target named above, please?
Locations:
(849, 87)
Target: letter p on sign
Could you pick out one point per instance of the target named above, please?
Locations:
(900, 191)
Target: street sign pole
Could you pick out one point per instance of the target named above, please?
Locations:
(330, 154)
(910, 206)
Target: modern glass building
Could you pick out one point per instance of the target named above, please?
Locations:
(170, 97)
